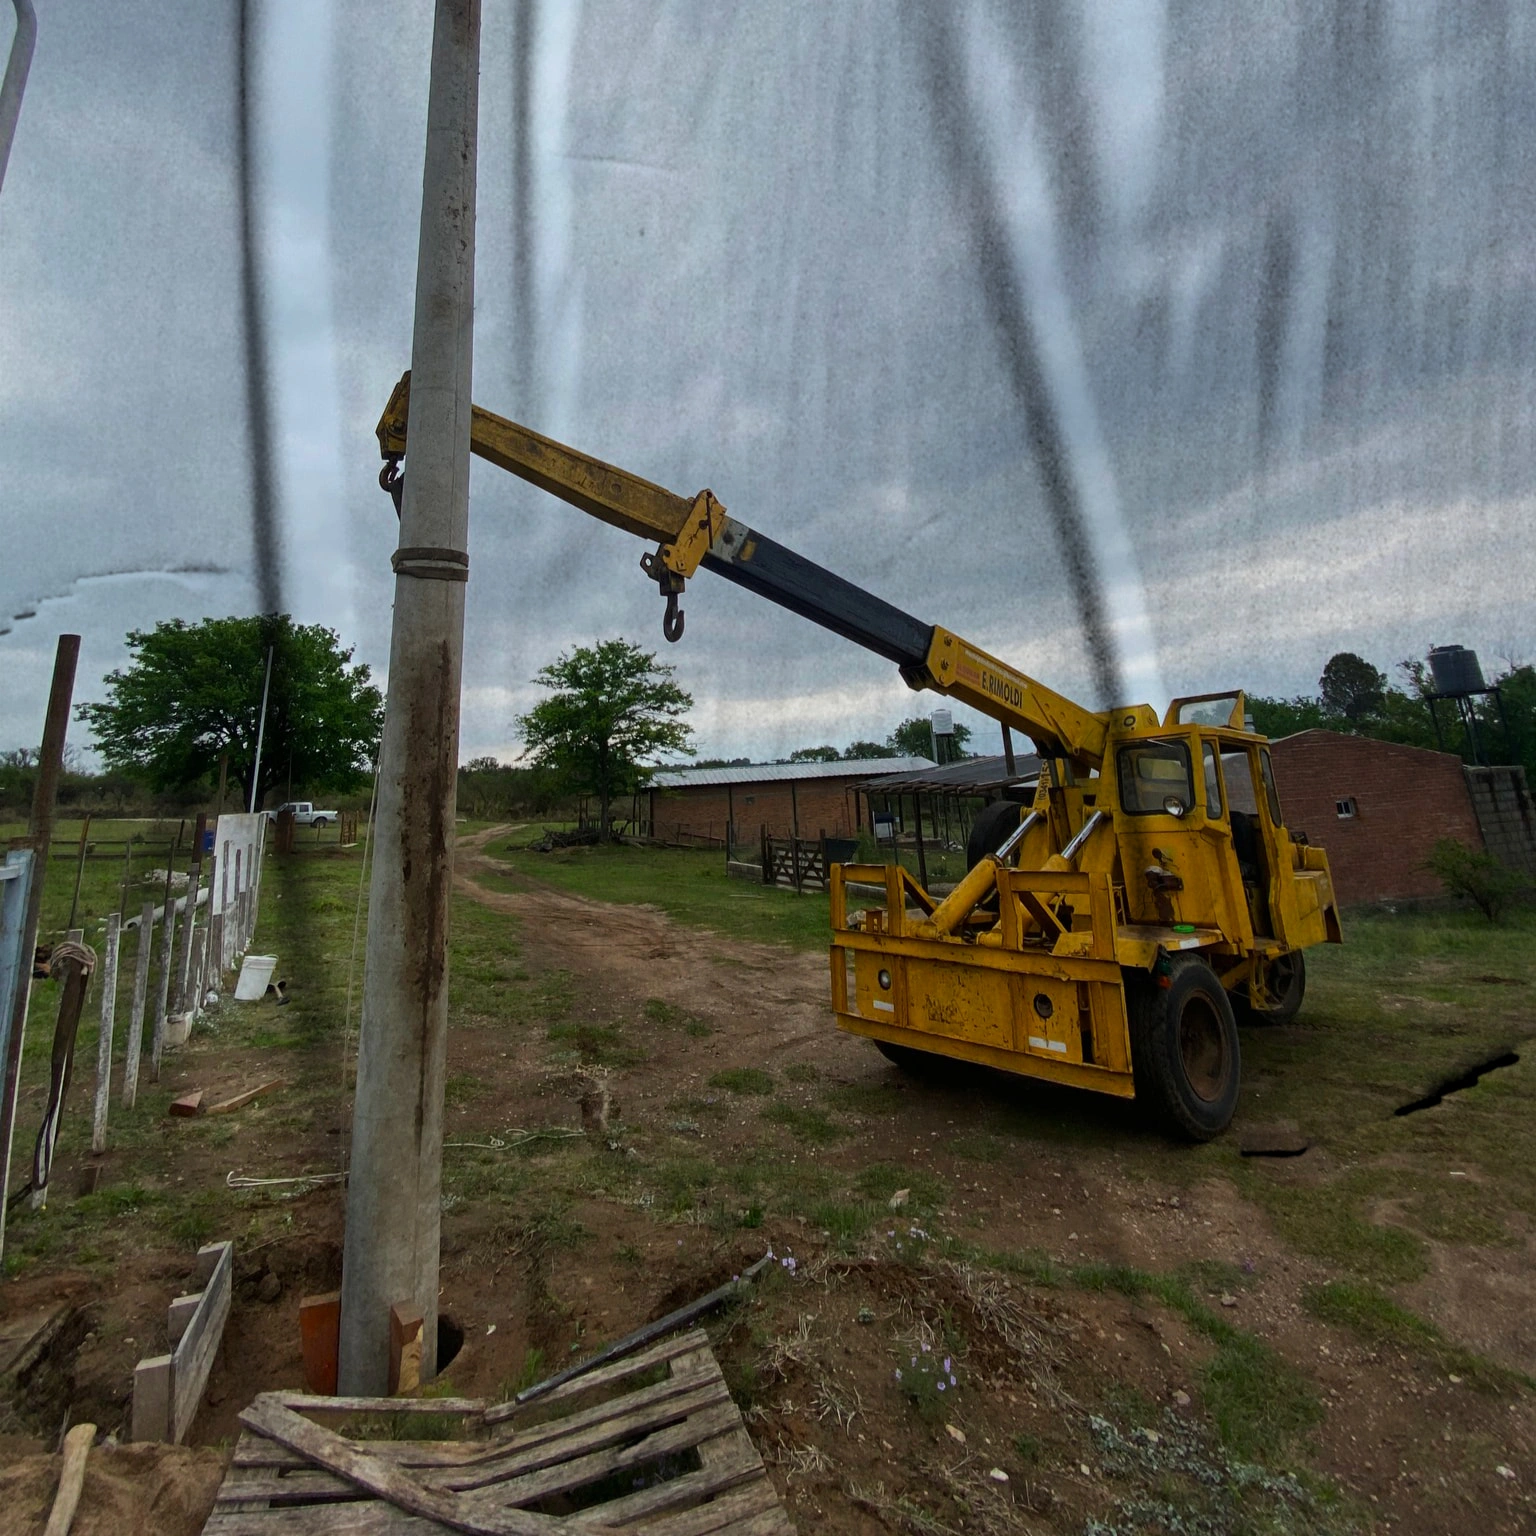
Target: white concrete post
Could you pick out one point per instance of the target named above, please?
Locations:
(104, 1035)
(140, 996)
(394, 1189)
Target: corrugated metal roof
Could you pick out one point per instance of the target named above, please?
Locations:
(776, 773)
(967, 775)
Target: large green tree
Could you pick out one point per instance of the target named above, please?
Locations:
(1352, 687)
(611, 706)
(914, 738)
(192, 693)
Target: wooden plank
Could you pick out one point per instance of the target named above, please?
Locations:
(240, 1100)
(369, 1518)
(406, 1323)
(77, 1446)
(571, 1474)
(255, 1452)
(681, 1493)
(750, 1509)
(194, 1356)
(562, 1451)
(657, 1399)
(188, 1105)
(262, 1479)
(320, 1337)
(380, 1478)
(305, 1403)
(152, 1398)
(182, 1310)
(607, 1375)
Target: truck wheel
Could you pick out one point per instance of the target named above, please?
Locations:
(991, 828)
(1184, 1049)
(1286, 980)
(904, 1056)
(320, 821)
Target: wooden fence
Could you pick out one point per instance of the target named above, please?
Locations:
(801, 862)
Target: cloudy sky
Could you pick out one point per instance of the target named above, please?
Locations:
(1159, 346)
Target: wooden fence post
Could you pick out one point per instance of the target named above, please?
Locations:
(136, 1017)
(104, 1035)
(763, 837)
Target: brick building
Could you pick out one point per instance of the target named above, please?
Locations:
(698, 804)
(1378, 807)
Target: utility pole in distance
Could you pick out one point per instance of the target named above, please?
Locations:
(394, 1190)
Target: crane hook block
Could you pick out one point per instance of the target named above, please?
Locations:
(672, 619)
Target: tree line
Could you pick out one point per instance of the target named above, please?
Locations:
(1359, 699)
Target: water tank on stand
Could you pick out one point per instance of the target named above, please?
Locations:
(1455, 670)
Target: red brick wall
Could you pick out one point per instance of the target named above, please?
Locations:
(825, 805)
(1407, 799)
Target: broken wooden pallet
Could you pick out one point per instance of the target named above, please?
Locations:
(652, 1442)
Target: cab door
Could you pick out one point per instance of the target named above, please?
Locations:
(1163, 832)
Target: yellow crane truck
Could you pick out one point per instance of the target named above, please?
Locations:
(1118, 924)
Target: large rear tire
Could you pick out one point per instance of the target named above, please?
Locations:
(1285, 980)
(990, 830)
(903, 1056)
(1184, 1049)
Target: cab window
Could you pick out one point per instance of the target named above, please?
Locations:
(1270, 792)
(1151, 774)
(1212, 781)
(1238, 774)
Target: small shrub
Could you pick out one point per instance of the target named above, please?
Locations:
(810, 1125)
(1489, 885)
(928, 1377)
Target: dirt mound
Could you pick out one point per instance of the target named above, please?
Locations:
(167, 1489)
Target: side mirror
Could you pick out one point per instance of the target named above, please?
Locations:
(1174, 806)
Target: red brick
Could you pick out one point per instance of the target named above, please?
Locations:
(1407, 799)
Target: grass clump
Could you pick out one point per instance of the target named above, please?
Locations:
(810, 1125)
(1372, 1315)
(879, 1181)
(743, 1080)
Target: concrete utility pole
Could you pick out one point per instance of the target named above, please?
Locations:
(15, 82)
(394, 1190)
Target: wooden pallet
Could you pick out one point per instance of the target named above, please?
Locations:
(653, 1442)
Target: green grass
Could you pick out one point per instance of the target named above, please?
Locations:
(743, 1080)
(1372, 1315)
(688, 885)
(807, 1124)
(1258, 1402)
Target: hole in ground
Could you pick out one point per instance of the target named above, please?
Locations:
(450, 1340)
(1276, 1151)
(1451, 1085)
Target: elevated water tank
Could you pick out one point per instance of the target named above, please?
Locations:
(944, 722)
(1455, 669)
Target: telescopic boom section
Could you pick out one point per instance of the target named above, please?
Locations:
(697, 532)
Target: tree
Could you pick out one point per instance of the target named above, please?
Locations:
(860, 751)
(192, 694)
(815, 755)
(1284, 717)
(611, 705)
(1352, 687)
(914, 738)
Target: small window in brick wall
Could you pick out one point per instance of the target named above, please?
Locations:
(1347, 809)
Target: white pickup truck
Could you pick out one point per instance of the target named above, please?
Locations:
(304, 814)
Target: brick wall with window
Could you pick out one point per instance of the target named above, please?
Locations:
(1377, 807)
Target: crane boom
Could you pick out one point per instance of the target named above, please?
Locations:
(697, 532)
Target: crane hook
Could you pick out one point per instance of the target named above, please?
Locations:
(672, 619)
(391, 479)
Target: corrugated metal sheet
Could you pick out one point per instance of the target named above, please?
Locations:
(778, 773)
